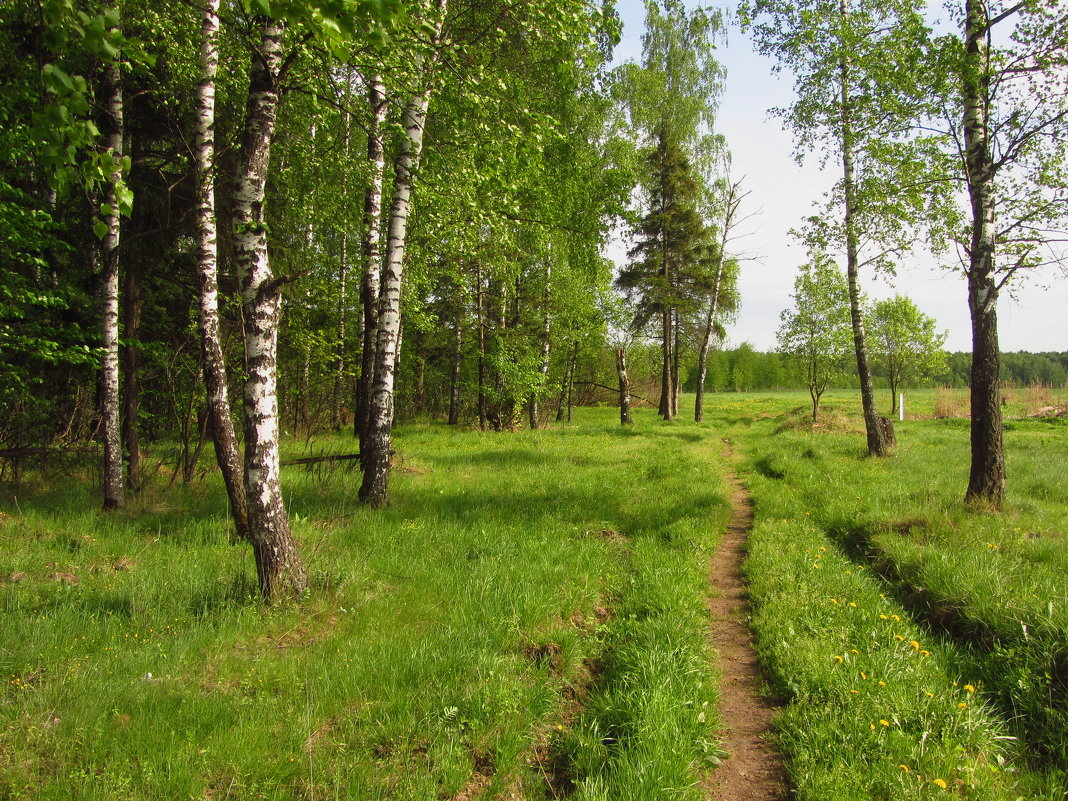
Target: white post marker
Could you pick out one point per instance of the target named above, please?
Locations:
(901, 406)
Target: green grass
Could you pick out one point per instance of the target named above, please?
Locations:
(858, 566)
(526, 617)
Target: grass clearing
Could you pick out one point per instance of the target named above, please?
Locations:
(504, 627)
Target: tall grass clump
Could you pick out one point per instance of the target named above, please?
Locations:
(950, 402)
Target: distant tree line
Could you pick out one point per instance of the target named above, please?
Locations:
(743, 368)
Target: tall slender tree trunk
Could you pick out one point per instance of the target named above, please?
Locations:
(342, 300)
(131, 364)
(214, 363)
(372, 254)
(571, 381)
(454, 378)
(546, 344)
(706, 346)
(624, 386)
(986, 479)
(302, 407)
(480, 315)
(732, 202)
(878, 441)
(676, 350)
(278, 564)
(114, 490)
(666, 389)
(565, 382)
(378, 440)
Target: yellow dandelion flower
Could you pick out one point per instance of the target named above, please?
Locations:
(883, 617)
(884, 723)
(899, 638)
(855, 692)
(863, 675)
(904, 768)
(872, 726)
(882, 683)
(929, 695)
(896, 618)
(961, 705)
(834, 600)
(838, 659)
(816, 565)
(915, 645)
(970, 688)
(940, 782)
(854, 651)
(925, 653)
(823, 547)
(853, 604)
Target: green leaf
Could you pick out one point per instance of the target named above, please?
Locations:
(126, 199)
(100, 228)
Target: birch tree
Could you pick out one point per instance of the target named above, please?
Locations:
(114, 490)
(815, 332)
(1007, 107)
(375, 448)
(372, 256)
(859, 99)
(279, 566)
(214, 364)
(723, 297)
(906, 344)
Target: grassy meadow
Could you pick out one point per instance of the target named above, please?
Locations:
(526, 619)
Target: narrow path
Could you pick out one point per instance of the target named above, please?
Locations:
(752, 771)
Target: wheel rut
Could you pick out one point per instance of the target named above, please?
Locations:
(753, 770)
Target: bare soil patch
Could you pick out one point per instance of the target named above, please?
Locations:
(753, 770)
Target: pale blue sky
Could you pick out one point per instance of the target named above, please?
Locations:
(783, 193)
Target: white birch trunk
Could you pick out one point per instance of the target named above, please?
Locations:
(372, 253)
(546, 350)
(878, 443)
(624, 386)
(114, 490)
(279, 567)
(375, 449)
(986, 480)
(215, 382)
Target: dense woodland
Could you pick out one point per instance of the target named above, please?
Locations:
(223, 222)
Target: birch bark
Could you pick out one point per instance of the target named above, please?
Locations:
(878, 444)
(624, 387)
(114, 490)
(986, 480)
(278, 564)
(372, 254)
(214, 365)
(546, 344)
(378, 440)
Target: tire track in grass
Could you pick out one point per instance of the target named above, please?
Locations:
(753, 770)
